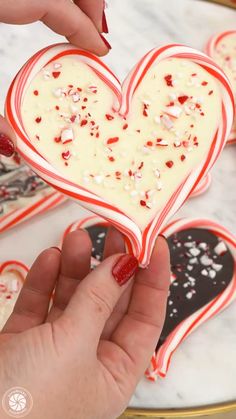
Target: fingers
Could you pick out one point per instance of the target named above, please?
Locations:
(114, 243)
(96, 297)
(65, 18)
(75, 265)
(31, 308)
(94, 9)
(6, 138)
(138, 332)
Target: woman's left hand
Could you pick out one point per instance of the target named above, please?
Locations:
(84, 358)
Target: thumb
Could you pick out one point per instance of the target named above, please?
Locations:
(96, 296)
(6, 138)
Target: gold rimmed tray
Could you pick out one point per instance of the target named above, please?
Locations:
(217, 411)
(229, 3)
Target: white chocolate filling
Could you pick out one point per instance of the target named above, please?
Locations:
(135, 164)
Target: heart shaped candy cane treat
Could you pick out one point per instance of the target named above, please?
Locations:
(130, 153)
(12, 276)
(222, 48)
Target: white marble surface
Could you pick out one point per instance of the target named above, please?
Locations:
(204, 367)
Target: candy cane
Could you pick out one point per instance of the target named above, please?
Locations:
(161, 359)
(45, 203)
(140, 243)
(210, 49)
(202, 186)
(10, 286)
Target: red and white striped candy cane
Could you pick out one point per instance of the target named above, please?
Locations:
(202, 186)
(10, 286)
(210, 50)
(51, 200)
(161, 360)
(140, 243)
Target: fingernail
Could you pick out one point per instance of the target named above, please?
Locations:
(55, 247)
(6, 145)
(104, 23)
(105, 41)
(162, 235)
(124, 269)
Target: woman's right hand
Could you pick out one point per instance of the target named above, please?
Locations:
(80, 21)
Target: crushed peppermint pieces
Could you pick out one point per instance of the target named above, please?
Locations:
(169, 80)
(78, 114)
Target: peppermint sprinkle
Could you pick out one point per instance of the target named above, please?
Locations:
(168, 80)
(98, 179)
(56, 74)
(169, 164)
(159, 185)
(220, 248)
(161, 142)
(166, 121)
(56, 66)
(177, 143)
(75, 97)
(66, 155)
(57, 92)
(67, 135)
(182, 99)
(174, 111)
(206, 261)
(109, 117)
(92, 89)
(113, 140)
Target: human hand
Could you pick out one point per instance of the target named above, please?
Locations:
(84, 357)
(81, 22)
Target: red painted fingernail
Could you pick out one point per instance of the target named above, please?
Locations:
(105, 41)
(124, 269)
(6, 146)
(104, 23)
(57, 248)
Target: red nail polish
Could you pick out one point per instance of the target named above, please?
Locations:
(105, 41)
(124, 269)
(104, 23)
(6, 146)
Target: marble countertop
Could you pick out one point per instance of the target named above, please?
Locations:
(204, 367)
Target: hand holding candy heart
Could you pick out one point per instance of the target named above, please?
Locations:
(82, 344)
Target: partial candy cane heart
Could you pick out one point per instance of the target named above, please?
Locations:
(132, 153)
(222, 48)
(203, 263)
(23, 194)
(12, 276)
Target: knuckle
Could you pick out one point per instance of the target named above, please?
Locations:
(100, 302)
